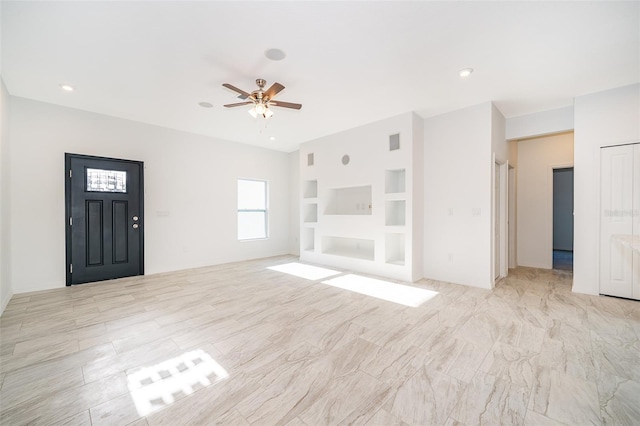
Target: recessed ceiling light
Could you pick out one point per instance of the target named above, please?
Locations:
(465, 72)
(205, 104)
(275, 54)
(272, 138)
(67, 87)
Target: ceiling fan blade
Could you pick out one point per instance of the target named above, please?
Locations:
(238, 104)
(285, 104)
(273, 90)
(243, 94)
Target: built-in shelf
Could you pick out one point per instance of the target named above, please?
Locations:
(311, 213)
(395, 213)
(349, 247)
(395, 181)
(355, 200)
(394, 249)
(308, 238)
(364, 214)
(310, 189)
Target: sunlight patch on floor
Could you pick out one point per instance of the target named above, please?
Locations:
(157, 386)
(304, 271)
(385, 290)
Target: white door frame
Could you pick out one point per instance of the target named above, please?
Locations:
(549, 239)
(503, 214)
(512, 206)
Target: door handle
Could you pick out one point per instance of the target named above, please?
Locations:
(135, 218)
(135, 226)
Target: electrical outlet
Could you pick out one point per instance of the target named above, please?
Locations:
(450, 257)
(476, 211)
(450, 211)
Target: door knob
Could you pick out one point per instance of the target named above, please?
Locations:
(135, 226)
(135, 218)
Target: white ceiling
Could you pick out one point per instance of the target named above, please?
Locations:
(348, 63)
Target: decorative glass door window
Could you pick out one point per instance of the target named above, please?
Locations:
(99, 180)
(252, 209)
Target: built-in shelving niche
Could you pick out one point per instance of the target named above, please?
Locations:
(308, 239)
(394, 249)
(311, 213)
(395, 213)
(395, 181)
(356, 248)
(310, 189)
(355, 200)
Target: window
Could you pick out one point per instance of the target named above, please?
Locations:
(99, 180)
(252, 209)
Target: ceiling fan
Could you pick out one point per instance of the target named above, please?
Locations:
(261, 99)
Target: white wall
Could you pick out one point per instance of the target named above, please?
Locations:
(418, 196)
(294, 205)
(499, 144)
(602, 119)
(536, 159)
(190, 191)
(6, 290)
(457, 196)
(540, 123)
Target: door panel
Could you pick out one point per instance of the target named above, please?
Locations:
(120, 231)
(105, 218)
(616, 203)
(93, 235)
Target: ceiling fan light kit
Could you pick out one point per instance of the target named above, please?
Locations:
(260, 100)
(260, 110)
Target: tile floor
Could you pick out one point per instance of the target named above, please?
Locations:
(240, 344)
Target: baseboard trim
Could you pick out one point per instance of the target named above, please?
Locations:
(5, 302)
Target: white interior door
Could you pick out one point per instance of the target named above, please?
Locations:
(616, 220)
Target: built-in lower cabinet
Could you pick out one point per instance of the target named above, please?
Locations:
(620, 221)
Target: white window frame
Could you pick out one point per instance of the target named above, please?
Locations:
(265, 210)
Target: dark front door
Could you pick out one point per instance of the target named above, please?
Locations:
(104, 223)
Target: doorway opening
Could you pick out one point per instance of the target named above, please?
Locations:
(563, 218)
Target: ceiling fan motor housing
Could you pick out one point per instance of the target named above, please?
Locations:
(261, 96)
